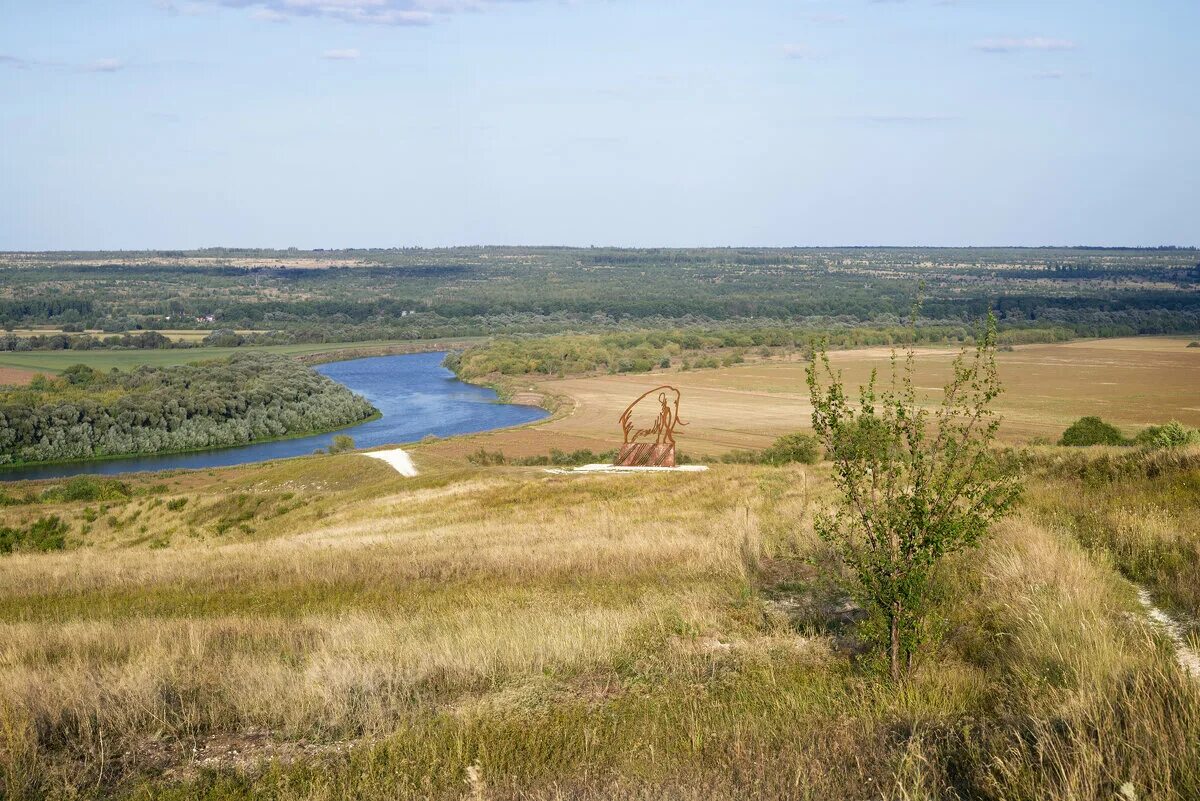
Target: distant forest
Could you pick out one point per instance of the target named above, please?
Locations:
(285, 296)
(84, 413)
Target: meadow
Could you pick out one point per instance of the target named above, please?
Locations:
(321, 628)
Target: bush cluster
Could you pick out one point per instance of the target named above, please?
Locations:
(43, 534)
(1094, 431)
(689, 348)
(556, 458)
(788, 449)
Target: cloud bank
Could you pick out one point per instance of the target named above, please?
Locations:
(1012, 45)
(364, 12)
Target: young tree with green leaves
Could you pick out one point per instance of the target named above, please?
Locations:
(913, 484)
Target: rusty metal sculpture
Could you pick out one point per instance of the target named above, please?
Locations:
(660, 452)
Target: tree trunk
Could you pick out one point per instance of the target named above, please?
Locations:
(895, 654)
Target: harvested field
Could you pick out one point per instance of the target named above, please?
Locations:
(1133, 382)
(16, 376)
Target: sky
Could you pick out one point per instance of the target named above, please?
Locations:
(129, 124)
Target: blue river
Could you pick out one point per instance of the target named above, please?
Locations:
(416, 395)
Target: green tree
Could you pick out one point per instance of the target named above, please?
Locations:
(1092, 431)
(912, 486)
(341, 443)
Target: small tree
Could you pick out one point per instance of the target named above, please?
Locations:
(341, 443)
(913, 486)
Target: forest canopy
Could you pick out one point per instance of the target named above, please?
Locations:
(85, 414)
(122, 300)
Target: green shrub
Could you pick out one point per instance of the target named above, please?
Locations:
(556, 457)
(561, 458)
(176, 504)
(88, 488)
(485, 458)
(741, 457)
(1092, 431)
(1171, 435)
(342, 443)
(802, 448)
(44, 534)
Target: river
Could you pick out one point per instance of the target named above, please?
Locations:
(416, 395)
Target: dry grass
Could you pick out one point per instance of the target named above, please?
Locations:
(1139, 511)
(503, 633)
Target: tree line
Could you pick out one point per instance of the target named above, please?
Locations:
(418, 294)
(85, 414)
(643, 351)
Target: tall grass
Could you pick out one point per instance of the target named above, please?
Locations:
(1139, 509)
(502, 634)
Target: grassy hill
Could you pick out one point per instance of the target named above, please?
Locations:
(322, 628)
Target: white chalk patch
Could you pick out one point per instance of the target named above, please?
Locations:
(398, 459)
(610, 468)
(1188, 659)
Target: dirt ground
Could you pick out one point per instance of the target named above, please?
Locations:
(15, 376)
(1131, 382)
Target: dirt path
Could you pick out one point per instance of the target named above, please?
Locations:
(1188, 659)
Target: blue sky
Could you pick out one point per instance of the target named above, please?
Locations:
(338, 123)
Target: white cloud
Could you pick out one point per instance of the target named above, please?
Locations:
(186, 9)
(904, 118)
(269, 15)
(367, 12)
(344, 54)
(105, 65)
(1010, 45)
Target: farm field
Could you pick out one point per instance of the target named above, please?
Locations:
(1132, 382)
(55, 361)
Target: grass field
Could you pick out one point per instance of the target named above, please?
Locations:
(178, 334)
(322, 628)
(1131, 382)
(54, 361)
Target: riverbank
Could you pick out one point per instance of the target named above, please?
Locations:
(415, 397)
(97, 460)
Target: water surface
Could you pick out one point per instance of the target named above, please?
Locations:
(416, 395)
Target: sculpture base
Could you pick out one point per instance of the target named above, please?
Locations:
(646, 454)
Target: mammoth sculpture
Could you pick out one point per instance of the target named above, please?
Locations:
(637, 447)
